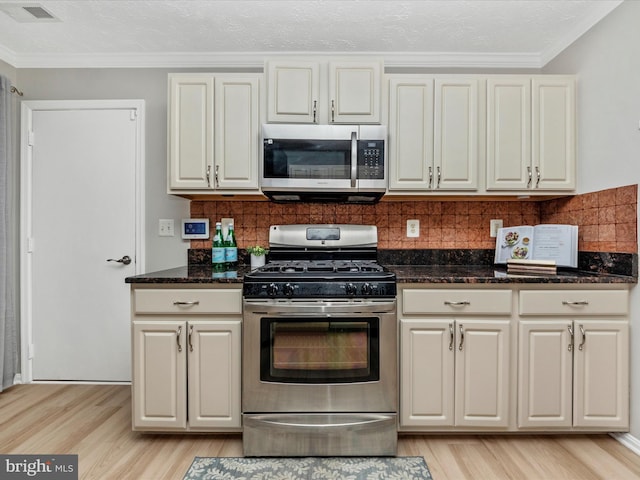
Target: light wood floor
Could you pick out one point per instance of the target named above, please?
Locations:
(94, 421)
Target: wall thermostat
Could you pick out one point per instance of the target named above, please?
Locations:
(195, 228)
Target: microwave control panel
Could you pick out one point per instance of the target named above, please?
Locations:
(371, 159)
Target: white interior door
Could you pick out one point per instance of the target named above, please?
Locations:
(81, 207)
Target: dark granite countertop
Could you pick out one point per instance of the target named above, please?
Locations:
(191, 274)
(478, 274)
(425, 266)
(405, 274)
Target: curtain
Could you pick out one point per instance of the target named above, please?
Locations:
(8, 254)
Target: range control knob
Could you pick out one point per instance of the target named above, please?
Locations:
(288, 290)
(367, 289)
(351, 289)
(272, 289)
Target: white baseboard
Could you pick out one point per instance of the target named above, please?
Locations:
(629, 441)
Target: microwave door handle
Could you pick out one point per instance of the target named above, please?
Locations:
(354, 159)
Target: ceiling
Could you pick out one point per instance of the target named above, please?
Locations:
(200, 33)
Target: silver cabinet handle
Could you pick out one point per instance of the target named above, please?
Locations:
(190, 335)
(452, 333)
(208, 175)
(126, 260)
(354, 159)
(333, 111)
(217, 179)
(529, 174)
(580, 303)
(457, 304)
(179, 334)
(179, 303)
(461, 338)
(439, 177)
(570, 328)
(537, 177)
(584, 338)
(315, 111)
(430, 176)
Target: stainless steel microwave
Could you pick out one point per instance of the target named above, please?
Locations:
(324, 163)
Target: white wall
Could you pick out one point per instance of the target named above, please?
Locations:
(151, 86)
(607, 62)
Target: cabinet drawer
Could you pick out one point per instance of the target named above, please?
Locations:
(574, 302)
(456, 302)
(188, 301)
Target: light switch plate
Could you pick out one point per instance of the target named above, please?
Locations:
(166, 227)
(413, 228)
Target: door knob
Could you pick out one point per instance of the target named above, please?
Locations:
(126, 260)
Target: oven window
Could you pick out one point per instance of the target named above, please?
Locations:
(329, 159)
(303, 350)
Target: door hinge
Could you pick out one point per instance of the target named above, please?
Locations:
(30, 138)
(134, 114)
(29, 244)
(31, 351)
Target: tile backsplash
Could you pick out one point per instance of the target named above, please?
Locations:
(607, 219)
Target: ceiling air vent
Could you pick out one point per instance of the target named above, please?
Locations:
(28, 12)
(39, 12)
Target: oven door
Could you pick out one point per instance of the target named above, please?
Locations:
(319, 356)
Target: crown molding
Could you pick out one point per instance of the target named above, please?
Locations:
(257, 59)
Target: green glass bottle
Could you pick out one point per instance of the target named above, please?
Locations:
(231, 249)
(218, 250)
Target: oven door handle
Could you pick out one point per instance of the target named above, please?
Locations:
(293, 309)
(354, 159)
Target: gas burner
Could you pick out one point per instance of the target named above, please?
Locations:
(321, 261)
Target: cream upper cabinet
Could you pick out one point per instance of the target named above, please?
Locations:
(531, 133)
(324, 92)
(455, 370)
(214, 132)
(433, 133)
(190, 131)
(573, 367)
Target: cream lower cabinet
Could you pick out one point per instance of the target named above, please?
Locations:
(574, 360)
(186, 360)
(455, 361)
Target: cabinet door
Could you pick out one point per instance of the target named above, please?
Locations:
(426, 372)
(214, 373)
(237, 133)
(553, 132)
(159, 375)
(601, 384)
(509, 133)
(456, 134)
(293, 92)
(190, 131)
(482, 373)
(410, 133)
(545, 374)
(355, 92)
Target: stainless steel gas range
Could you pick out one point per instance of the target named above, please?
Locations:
(320, 346)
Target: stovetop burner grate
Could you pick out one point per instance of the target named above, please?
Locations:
(321, 266)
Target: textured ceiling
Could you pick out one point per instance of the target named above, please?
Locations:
(194, 32)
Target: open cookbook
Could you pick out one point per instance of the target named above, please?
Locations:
(554, 243)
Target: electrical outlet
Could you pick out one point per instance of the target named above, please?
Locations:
(225, 226)
(494, 225)
(166, 227)
(413, 228)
